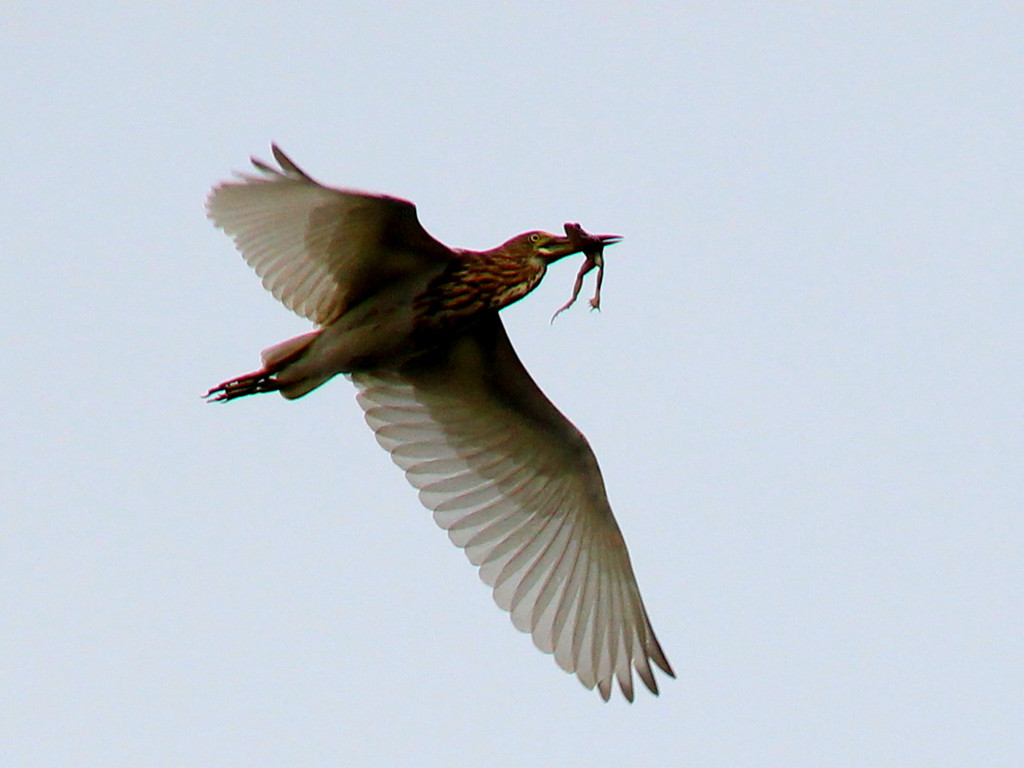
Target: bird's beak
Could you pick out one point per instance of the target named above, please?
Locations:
(560, 247)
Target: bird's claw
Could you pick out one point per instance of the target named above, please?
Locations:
(250, 384)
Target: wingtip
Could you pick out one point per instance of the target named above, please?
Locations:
(287, 166)
(286, 163)
(261, 165)
(662, 662)
(626, 686)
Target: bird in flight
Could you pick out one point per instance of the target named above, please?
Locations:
(415, 325)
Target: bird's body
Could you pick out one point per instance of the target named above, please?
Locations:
(415, 324)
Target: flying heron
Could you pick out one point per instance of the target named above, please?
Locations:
(415, 325)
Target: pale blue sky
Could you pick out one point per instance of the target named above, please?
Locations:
(804, 389)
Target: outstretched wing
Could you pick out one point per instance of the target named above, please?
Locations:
(320, 250)
(517, 486)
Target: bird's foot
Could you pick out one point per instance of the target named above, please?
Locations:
(249, 384)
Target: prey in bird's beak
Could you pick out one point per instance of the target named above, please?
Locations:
(592, 247)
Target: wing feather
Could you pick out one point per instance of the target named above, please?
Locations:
(318, 249)
(517, 487)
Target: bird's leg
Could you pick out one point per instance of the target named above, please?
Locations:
(249, 384)
(275, 360)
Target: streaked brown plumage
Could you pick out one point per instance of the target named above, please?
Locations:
(415, 325)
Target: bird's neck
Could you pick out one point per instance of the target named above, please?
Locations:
(476, 281)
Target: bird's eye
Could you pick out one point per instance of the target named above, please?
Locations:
(535, 237)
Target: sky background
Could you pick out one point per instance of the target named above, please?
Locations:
(805, 387)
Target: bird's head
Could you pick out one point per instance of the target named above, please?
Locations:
(548, 247)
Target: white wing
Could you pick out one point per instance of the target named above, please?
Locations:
(517, 486)
(320, 250)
